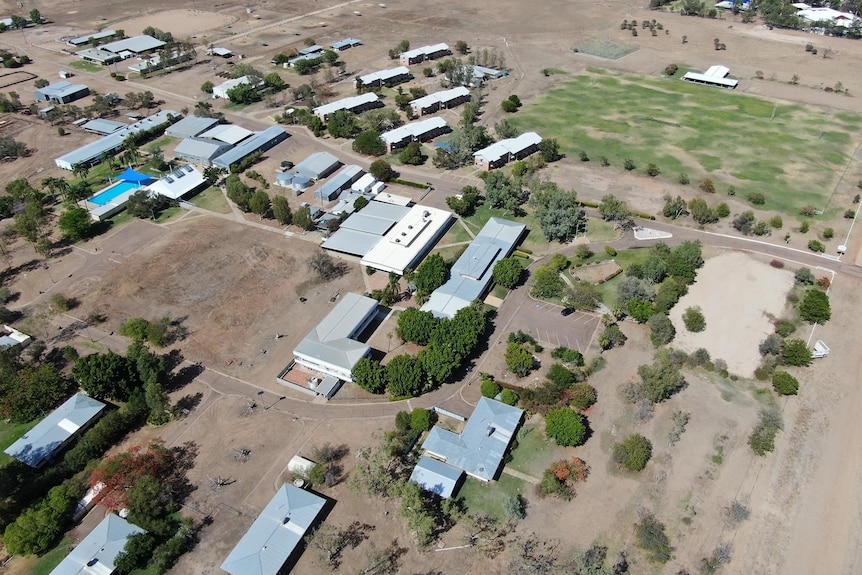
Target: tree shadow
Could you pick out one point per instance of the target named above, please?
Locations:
(184, 376)
(186, 404)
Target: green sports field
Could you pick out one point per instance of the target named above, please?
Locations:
(792, 154)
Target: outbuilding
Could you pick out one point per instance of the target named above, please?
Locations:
(61, 92)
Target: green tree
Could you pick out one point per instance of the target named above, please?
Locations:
(207, 87)
(281, 210)
(244, 94)
(582, 395)
(612, 337)
(693, 319)
(796, 353)
(359, 203)
(136, 553)
(342, 124)
(660, 380)
(651, 537)
(639, 309)
(566, 427)
(560, 215)
(370, 375)
(466, 205)
(106, 375)
(421, 419)
(490, 387)
(814, 307)
(674, 207)
(549, 150)
(507, 272)
(381, 170)
(701, 212)
(518, 359)
(784, 383)
(302, 218)
(30, 391)
(76, 223)
(615, 210)
(412, 155)
(416, 325)
(547, 283)
(404, 376)
(430, 274)
(662, 331)
(369, 143)
(39, 527)
(633, 452)
(273, 81)
(259, 203)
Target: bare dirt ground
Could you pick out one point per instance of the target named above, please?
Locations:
(235, 286)
(737, 295)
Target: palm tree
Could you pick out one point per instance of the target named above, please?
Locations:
(80, 170)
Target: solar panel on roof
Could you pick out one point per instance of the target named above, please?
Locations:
(169, 180)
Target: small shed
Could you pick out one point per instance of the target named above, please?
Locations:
(364, 184)
(300, 465)
(284, 179)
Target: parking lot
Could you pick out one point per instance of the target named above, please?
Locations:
(544, 322)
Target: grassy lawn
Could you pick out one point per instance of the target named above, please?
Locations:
(790, 153)
(534, 451)
(500, 292)
(9, 434)
(599, 230)
(624, 258)
(47, 562)
(211, 199)
(86, 66)
(457, 233)
(489, 498)
(169, 214)
(162, 143)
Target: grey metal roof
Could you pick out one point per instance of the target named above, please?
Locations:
(95, 35)
(61, 89)
(97, 149)
(275, 533)
(331, 341)
(191, 126)
(471, 274)
(178, 183)
(51, 433)
(345, 44)
(317, 165)
(103, 126)
(259, 142)
(136, 44)
(228, 133)
(339, 181)
(503, 148)
(351, 242)
(311, 50)
(95, 555)
(362, 230)
(480, 448)
(200, 149)
(437, 477)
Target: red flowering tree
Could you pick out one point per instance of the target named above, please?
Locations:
(121, 472)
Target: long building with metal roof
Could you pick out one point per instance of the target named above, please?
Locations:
(317, 165)
(191, 126)
(329, 190)
(355, 104)
(343, 45)
(362, 230)
(55, 431)
(61, 92)
(276, 533)
(424, 53)
(407, 242)
(420, 131)
(331, 347)
(500, 153)
(94, 152)
(259, 142)
(97, 553)
(471, 274)
(383, 77)
(444, 99)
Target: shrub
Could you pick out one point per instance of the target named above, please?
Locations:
(583, 395)
(683, 179)
(776, 222)
(804, 227)
(629, 164)
(610, 251)
(796, 353)
(633, 452)
(849, 214)
(816, 246)
(762, 439)
(693, 319)
(757, 198)
(652, 170)
(583, 156)
(650, 536)
(706, 185)
(509, 397)
(784, 383)
(804, 276)
(828, 234)
(778, 264)
(568, 355)
(785, 327)
(814, 307)
(490, 388)
(421, 419)
(566, 427)
(722, 210)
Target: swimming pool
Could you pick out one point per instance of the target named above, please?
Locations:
(111, 192)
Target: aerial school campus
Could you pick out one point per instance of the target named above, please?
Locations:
(391, 288)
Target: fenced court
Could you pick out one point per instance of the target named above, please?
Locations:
(604, 48)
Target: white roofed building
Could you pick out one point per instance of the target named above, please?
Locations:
(332, 347)
(421, 131)
(444, 99)
(178, 183)
(389, 77)
(407, 242)
(222, 89)
(431, 52)
(354, 104)
(500, 153)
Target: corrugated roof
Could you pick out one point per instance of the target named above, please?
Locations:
(471, 273)
(199, 148)
(413, 130)
(97, 552)
(437, 477)
(191, 126)
(348, 103)
(103, 126)
(703, 78)
(94, 36)
(48, 435)
(260, 141)
(339, 181)
(384, 76)
(317, 165)
(441, 97)
(345, 44)
(330, 342)
(136, 44)
(501, 149)
(275, 533)
(61, 89)
(408, 240)
(425, 50)
(480, 448)
(178, 183)
(228, 133)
